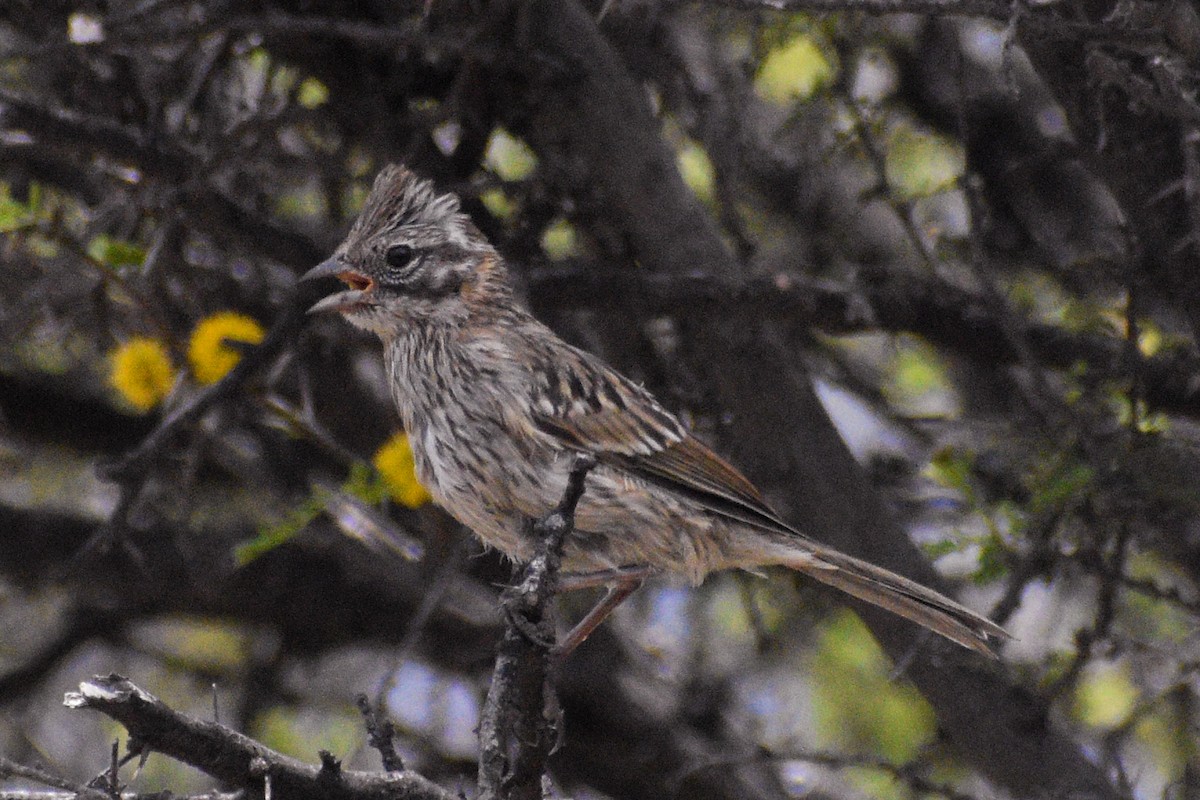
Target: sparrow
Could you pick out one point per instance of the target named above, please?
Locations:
(497, 407)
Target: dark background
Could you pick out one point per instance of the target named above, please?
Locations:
(962, 232)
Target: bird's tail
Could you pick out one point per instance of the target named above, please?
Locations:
(897, 594)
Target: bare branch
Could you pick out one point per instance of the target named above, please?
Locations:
(380, 733)
(11, 769)
(234, 759)
(515, 736)
(1043, 19)
(30, 794)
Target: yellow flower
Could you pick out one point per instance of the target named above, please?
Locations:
(141, 372)
(394, 461)
(209, 354)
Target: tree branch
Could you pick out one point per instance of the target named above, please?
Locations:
(33, 794)
(789, 442)
(1042, 20)
(515, 736)
(234, 759)
(948, 316)
(380, 733)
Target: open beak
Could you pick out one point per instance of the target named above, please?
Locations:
(358, 293)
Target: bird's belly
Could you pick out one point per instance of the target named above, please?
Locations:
(620, 521)
(496, 483)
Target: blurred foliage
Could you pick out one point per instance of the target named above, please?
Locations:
(1151, 619)
(918, 382)
(509, 157)
(858, 706)
(212, 161)
(1169, 745)
(795, 70)
(300, 732)
(1056, 480)
(208, 646)
(1105, 696)
(921, 164)
(499, 204)
(15, 215)
(115, 253)
(697, 171)
(312, 93)
(559, 240)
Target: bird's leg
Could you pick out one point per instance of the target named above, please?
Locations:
(574, 581)
(621, 582)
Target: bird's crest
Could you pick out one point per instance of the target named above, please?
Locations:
(401, 199)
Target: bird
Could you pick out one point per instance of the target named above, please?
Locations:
(498, 407)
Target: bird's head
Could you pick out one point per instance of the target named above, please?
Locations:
(412, 258)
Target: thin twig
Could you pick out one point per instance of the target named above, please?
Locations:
(380, 733)
(11, 769)
(903, 208)
(431, 599)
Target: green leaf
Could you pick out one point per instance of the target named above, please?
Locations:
(14, 215)
(365, 483)
(993, 560)
(921, 164)
(935, 550)
(312, 93)
(559, 240)
(697, 170)
(1105, 696)
(116, 253)
(509, 157)
(794, 71)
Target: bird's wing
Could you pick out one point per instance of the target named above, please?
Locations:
(591, 407)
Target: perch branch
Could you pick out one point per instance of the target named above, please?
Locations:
(515, 736)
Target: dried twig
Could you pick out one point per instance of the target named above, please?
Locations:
(380, 733)
(235, 759)
(515, 736)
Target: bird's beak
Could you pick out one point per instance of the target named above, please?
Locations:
(359, 285)
(328, 268)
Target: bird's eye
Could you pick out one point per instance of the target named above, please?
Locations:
(398, 256)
